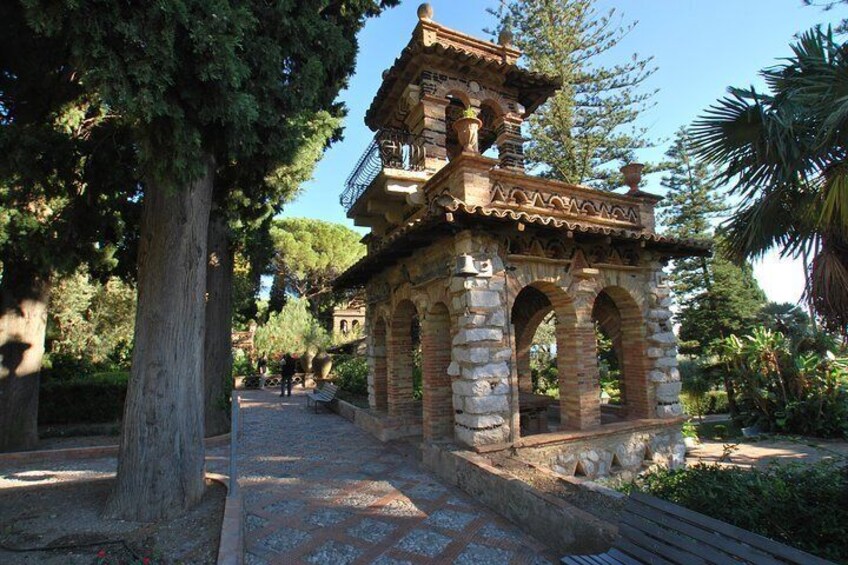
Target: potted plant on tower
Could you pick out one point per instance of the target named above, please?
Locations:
(467, 129)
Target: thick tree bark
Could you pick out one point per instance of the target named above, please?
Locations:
(161, 456)
(23, 322)
(218, 353)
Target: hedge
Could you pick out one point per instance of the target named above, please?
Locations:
(96, 399)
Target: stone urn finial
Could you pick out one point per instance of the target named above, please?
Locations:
(425, 12)
(632, 175)
(467, 130)
(505, 38)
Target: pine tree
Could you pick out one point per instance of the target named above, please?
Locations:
(691, 202)
(589, 125)
(716, 296)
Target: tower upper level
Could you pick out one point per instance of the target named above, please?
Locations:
(442, 78)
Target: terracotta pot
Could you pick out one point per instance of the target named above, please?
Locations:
(322, 365)
(467, 129)
(632, 175)
(306, 361)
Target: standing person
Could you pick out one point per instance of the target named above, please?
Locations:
(262, 365)
(287, 370)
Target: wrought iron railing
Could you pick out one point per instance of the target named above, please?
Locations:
(390, 149)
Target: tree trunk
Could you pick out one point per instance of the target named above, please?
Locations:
(218, 352)
(161, 457)
(23, 323)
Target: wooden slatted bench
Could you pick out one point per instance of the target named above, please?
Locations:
(324, 395)
(658, 532)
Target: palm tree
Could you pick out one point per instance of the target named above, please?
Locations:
(784, 153)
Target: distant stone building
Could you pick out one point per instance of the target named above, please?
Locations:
(349, 319)
(470, 253)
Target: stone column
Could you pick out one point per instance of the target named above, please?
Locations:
(480, 353)
(662, 348)
(427, 119)
(377, 368)
(509, 141)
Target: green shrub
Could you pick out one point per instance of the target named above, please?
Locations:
(802, 505)
(351, 374)
(717, 402)
(96, 398)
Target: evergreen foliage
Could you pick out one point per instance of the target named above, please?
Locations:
(309, 254)
(291, 330)
(589, 125)
(92, 319)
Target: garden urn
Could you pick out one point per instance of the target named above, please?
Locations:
(322, 364)
(306, 361)
(467, 129)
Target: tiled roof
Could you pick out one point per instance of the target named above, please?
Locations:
(421, 231)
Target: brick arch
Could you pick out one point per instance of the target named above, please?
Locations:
(620, 316)
(402, 338)
(576, 362)
(438, 422)
(379, 394)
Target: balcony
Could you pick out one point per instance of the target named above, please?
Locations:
(391, 152)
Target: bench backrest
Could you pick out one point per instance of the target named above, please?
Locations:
(329, 389)
(659, 532)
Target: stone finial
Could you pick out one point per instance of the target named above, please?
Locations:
(505, 37)
(425, 12)
(632, 175)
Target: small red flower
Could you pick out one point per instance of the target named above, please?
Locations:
(145, 561)
(101, 554)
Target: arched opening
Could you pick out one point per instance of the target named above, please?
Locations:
(622, 360)
(404, 361)
(354, 325)
(343, 327)
(379, 393)
(453, 111)
(490, 114)
(544, 326)
(436, 355)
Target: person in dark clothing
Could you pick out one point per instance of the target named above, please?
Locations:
(287, 370)
(262, 365)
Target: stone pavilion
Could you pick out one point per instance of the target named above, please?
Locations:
(467, 254)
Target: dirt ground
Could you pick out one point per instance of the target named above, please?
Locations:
(760, 452)
(69, 513)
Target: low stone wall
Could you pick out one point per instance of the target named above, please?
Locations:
(615, 448)
(382, 427)
(553, 521)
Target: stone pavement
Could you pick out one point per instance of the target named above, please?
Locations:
(319, 490)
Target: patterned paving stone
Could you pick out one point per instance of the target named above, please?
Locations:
(401, 507)
(251, 559)
(284, 539)
(450, 519)
(424, 542)
(327, 517)
(371, 530)
(334, 553)
(384, 560)
(336, 495)
(476, 554)
(493, 532)
(286, 507)
(253, 522)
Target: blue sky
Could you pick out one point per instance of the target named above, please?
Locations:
(699, 46)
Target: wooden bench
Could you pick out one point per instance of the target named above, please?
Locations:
(324, 395)
(657, 532)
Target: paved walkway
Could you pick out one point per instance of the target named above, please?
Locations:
(319, 490)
